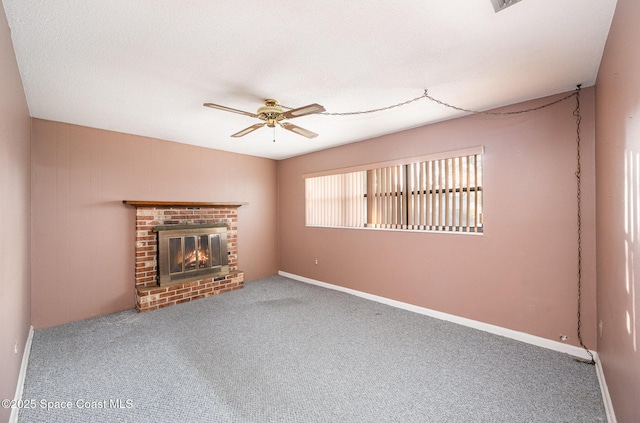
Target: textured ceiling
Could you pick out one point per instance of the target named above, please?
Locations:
(145, 67)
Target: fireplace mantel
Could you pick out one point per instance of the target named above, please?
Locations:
(180, 204)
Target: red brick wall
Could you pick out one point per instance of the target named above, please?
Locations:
(150, 296)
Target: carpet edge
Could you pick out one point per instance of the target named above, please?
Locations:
(475, 324)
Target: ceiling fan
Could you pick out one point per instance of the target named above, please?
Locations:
(272, 113)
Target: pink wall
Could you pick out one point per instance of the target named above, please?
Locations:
(83, 236)
(521, 274)
(618, 227)
(15, 217)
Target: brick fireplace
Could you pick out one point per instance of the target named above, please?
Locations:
(153, 215)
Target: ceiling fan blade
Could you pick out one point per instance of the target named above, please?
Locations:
(300, 131)
(305, 110)
(229, 109)
(245, 131)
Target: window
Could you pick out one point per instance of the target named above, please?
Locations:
(336, 200)
(440, 192)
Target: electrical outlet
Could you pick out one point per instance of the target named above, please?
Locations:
(563, 337)
(316, 261)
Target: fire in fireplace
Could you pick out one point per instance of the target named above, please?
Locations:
(191, 252)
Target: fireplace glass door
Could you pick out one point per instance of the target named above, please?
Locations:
(204, 252)
(175, 255)
(191, 252)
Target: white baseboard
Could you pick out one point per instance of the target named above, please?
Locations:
(497, 330)
(22, 375)
(606, 398)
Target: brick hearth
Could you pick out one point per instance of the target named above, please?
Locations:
(150, 296)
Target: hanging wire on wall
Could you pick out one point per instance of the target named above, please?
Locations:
(577, 114)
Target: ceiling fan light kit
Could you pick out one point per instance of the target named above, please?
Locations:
(272, 113)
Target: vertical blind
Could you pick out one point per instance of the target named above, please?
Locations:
(441, 192)
(336, 200)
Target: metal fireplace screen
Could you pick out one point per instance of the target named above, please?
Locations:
(191, 252)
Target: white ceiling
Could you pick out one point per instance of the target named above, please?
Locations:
(145, 67)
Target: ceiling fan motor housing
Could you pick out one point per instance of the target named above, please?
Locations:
(271, 112)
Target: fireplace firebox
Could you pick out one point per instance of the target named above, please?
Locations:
(191, 252)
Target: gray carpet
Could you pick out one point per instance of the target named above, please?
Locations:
(284, 351)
